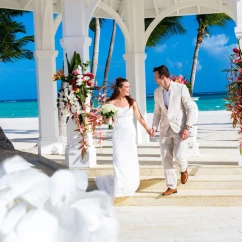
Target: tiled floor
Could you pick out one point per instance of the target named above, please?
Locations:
(180, 224)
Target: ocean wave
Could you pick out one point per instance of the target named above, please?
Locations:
(18, 101)
(209, 93)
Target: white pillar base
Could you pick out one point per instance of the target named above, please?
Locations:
(49, 142)
(74, 160)
(49, 147)
(73, 155)
(239, 158)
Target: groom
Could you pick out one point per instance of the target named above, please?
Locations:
(175, 111)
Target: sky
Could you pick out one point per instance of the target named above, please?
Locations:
(18, 79)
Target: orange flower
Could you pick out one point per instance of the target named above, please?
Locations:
(58, 75)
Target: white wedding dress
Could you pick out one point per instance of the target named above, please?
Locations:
(125, 157)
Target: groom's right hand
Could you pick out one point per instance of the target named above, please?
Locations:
(152, 132)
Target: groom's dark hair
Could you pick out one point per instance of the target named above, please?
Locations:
(162, 70)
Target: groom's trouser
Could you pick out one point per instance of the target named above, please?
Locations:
(171, 144)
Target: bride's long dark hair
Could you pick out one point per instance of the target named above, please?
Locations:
(118, 84)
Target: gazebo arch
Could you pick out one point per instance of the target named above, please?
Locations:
(57, 22)
(118, 19)
(108, 10)
(130, 15)
(183, 5)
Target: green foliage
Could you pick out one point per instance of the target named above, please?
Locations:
(206, 21)
(11, 47)
(92, 24)
(75, 62)
(168, 27)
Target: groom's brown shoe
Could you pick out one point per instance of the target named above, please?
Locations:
(169, 191)
(184, 177)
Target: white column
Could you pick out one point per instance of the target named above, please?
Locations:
(45, 55)
(135, 73)
(75, 23)
(135, 59)
(238, 29)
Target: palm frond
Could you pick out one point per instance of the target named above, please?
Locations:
(11, 47)
(215, 19)
(10, 14)
(165, 29)
(92, 24)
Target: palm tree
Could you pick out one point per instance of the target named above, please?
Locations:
(12, 48)
(205, 22)
(167, 27)
(95, 25)
(9, 14)
(108, 61)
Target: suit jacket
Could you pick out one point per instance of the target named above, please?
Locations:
(181, 110)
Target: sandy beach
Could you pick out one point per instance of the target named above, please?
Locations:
(23, 132)
(214, 127)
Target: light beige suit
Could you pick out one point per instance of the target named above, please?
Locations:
(181, 112)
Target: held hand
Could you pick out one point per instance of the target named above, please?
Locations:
(152, 132)
(149, 131)
(184, 134)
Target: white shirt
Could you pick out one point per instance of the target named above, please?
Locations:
(166, 96)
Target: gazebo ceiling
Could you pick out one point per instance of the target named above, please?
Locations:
(152, 8)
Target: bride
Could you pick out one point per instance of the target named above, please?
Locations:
(125, 156)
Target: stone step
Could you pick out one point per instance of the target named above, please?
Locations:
(222, 145)
(205, 154)
(215, 198)
(219, 170)
(156, 150)
(200, 171)
(157, 185)
(145, 171)
(156, 160)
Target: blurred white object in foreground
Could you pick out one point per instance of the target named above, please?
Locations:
(35, 207)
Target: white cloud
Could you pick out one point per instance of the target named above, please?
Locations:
(176, 64)
(217, 45)
(175, 45)
(179, 65)
(199, 66)
(160, 48)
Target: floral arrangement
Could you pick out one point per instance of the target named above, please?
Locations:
(234, 76)
(73, 99)
(107, 111)
(182, 80)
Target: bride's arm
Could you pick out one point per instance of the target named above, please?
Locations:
(140, 118)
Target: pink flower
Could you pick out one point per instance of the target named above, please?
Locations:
(235, 50)
(90, 75)
(237, 60)
(76, 72)
(89, 83)
(240, 70)
(239, 79)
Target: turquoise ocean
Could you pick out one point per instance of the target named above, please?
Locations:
(29, 108)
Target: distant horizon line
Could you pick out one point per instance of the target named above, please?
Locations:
(147, 95)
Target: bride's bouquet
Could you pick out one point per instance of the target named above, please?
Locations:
(107, 112)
